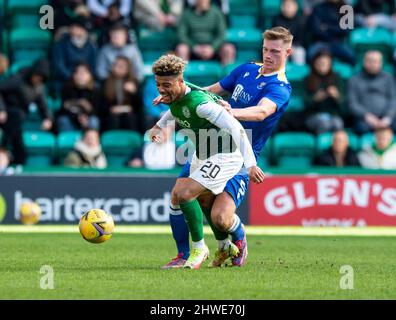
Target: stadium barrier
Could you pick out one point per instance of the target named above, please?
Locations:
(318, 197)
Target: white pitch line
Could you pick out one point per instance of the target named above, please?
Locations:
(251, 230)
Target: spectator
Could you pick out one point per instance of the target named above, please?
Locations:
(339, 154)
(382, 155)
(66, 11)
(100, 8)
(119, 46)
(114, 17)
(5, 159)
(122, 98)
(87, 152)
(156, 155)
(376, 13)
(16, 94)
(201, 34)
(322, 96)
(289, 19)
(80, 100)
(308, 5)
(158, 14)
(4, 64)
(72, 49)
(326, 33)
(372, 96)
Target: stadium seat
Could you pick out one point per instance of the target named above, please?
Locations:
(25, 20)
(155, 43)
(325, 140)
(244, 7)
(243, 21)
(118, 145)
(65, 143)
(363, 39)
(293, 150)
(296, 103)
(17, 6)
(203, 73)
(264, 159)
(366, 140)
(40, 148)
(248, 42)
(295, 75)
(29, 44)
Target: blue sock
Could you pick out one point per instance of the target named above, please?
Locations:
(236, 231)
(180, 231)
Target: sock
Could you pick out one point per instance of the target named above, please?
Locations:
(179, 230)
(194, 218)
(223, 244)
(236, 231)
(199, 244)
(219, 235)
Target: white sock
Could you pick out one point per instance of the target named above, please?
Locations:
(223, 244)
(199, 244)
(235, 224)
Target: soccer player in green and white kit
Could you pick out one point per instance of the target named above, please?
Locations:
(213, 164)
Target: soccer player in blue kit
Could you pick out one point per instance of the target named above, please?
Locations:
(260, 95)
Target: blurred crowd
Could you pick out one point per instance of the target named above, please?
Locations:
(97, 71)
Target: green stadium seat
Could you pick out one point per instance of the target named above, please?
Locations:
(264, 159)
(65, 143)
(296, 103)
(40, 148)
(150, 40)
(293, 150)
(325, 140)
(295, 74)
(18, 65)
(366, 140)
(248, 42)
(118, 145)
(243, 21)
(203, 73)
(271, 8)
(24, 6)
(25, 20)
(29, 44)
(244, 7)
(364, 39)
(345, 71)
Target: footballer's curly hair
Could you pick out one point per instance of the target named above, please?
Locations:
(169, 65)
(279, 33)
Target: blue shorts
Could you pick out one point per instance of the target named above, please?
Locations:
(236, 187)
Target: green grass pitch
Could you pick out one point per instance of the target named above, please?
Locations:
(128, 267)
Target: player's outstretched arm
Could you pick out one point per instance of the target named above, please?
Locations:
(156, 133)
(219, 117)
(263, 110)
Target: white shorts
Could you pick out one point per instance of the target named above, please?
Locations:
(214, 172)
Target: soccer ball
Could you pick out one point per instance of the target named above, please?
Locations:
(96, 226)
(30, 213)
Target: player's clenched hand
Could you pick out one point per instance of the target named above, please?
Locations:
(156, 134)
(256, 175)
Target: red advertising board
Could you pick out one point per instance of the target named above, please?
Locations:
(324, 201)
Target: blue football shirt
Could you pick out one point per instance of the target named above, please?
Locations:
(248, 86)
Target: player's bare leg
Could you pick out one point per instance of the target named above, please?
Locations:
(225, 248)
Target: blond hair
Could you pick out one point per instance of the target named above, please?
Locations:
(278, 33)
(169, 65)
